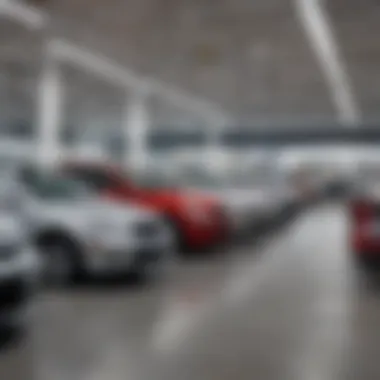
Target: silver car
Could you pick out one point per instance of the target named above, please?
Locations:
(19, 265)
(246, 205)
(79, 234)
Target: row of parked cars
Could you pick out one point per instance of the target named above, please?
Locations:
(82, 219)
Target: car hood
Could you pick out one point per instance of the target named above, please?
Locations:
(94, 209)
(236, 197)
(165, 199)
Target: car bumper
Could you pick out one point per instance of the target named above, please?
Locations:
(207, 236)
(263, 215)
(365, 240)
(19, 281)
(15, 301)
(122, 259)
(243, 224)
(26, 266)
(366, 247)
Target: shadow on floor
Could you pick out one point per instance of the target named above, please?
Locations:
(11, 338)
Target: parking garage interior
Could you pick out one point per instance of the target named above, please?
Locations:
(276, 96)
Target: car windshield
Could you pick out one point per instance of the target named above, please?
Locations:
(194, 178)
(227, 180)
(98, 180)
(53, 186)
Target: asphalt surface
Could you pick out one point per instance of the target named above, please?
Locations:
(291, 307)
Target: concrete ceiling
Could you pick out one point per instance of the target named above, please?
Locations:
(357, 28)
(252, 57)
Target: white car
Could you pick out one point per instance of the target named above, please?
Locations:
(246, 207)
(19, 265)
(79, 234)
(253, 197)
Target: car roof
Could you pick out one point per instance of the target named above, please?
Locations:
(90, 165)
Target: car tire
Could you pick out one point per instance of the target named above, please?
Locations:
(367, 264)
(59, 261)
(12, 336)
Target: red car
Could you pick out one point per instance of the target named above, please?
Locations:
(365, 223)
(198, 221)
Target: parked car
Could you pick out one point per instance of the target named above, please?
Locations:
(283, 190)
(197, 221)
(251, 199)
(312, 181)
(364, 207)
(79, 234)
(243, 208)
(19, 265)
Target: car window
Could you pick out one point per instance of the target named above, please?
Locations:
(200, 179)
(96, 179)
(153, 180)
(53, 186)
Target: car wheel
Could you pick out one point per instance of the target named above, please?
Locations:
(58, 265)
(368, 264)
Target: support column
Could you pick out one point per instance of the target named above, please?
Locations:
(49, 113)
(136, 124)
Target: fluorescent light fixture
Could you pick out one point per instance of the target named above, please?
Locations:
(28, 15)
(319, 30)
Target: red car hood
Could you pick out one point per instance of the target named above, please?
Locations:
(163, 198)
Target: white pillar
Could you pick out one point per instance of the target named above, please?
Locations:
(49, 113)
(136, 124)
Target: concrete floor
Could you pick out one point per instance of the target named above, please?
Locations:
(291, 308)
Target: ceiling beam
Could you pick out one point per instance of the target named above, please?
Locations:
(67, 52)
(28, 15)
(319, 31)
